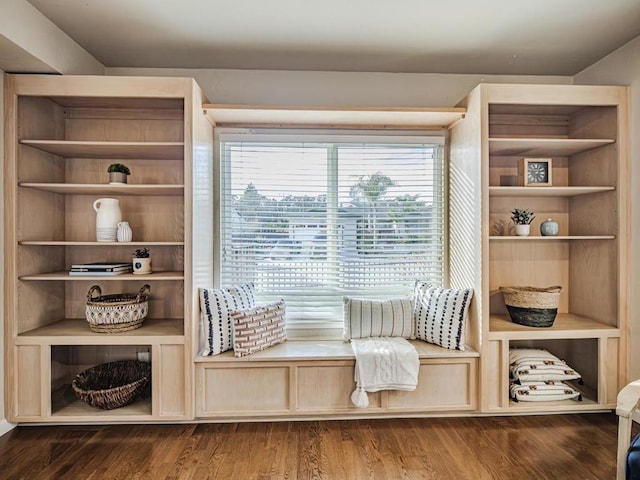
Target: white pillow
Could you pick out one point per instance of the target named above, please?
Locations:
(441, 314)
(532, 364)
(216, 306)
(543, 391)
(258, 328)
(377, 318)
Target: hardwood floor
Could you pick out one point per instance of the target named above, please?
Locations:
(514, 448)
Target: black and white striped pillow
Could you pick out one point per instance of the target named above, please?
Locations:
(216, 305)
(441, 314)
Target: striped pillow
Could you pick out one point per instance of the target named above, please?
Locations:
(258, 328)
(441, 315)
(216, 306)
(377, 318)
(547, 391)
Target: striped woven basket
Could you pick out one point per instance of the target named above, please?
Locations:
(116, 313)
(532, 306)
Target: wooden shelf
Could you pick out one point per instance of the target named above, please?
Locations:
(76, 331)
(550, 238)
(115, 150)
(57, 243)
(537, 147)
(589, 402)
(566, 325)
(106, 189)
(127, 276)
(497, 191)
(333, 117)
(64, 403)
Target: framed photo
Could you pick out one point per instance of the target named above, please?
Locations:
(535, 172)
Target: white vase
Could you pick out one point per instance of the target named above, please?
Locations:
(108, 215)
(523, 230)
(141, 265)
(124, 233)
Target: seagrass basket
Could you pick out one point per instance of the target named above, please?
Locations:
(532, 306)
(112, 385)
(116, 313)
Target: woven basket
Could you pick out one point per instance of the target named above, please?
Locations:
(112, 385)
(116, 313)
(532, 306)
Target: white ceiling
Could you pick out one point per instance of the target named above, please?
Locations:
(547, 37)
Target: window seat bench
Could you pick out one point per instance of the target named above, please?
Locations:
(314, 379)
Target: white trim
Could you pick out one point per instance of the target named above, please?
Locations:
(6, 427)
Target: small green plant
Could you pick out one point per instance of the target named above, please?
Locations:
(118, 167)
(141, 253)
(522, 216)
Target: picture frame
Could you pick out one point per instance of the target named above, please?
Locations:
(535, 172)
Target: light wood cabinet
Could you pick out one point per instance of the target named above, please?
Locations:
(584, 132)
(61, 134)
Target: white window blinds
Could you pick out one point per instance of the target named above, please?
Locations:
(311, 221)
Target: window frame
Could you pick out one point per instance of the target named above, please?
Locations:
(314, 328)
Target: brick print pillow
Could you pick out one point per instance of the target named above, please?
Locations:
(258, 328)
(216, 304)
(441, 315)
(377, 318)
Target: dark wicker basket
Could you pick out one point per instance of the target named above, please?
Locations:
(112, 385)
(532, 306)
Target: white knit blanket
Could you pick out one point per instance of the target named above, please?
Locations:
(383, 363)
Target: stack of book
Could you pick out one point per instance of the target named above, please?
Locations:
(100, 268)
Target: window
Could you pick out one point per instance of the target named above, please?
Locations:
(311, 221)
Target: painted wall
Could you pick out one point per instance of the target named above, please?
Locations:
(622, 67)
(38, 45)
(277, 87)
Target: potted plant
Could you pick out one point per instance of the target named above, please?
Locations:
(522, 219)
(141, 261)
(118, 173)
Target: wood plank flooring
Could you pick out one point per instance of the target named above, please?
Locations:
(514, 448)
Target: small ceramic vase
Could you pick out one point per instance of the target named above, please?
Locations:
(549, 228)
(523, 230)
(124, 233)
(141, 265)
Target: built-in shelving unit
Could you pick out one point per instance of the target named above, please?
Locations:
(583, 131)
(59, 145)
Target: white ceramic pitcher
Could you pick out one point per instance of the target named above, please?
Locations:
(108, 215)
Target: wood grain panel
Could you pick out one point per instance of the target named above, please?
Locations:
(537, 264)
(328, 388)
(503, 171)
(465, 212)
(125, 129)
(441, 386)
(243, 391)
(143, 172)
(170, 386)
(30, 387)
(152, 218)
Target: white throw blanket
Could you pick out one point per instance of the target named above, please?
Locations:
(383, 363)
